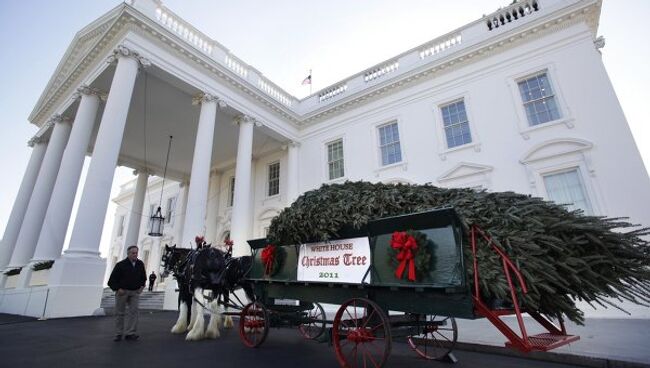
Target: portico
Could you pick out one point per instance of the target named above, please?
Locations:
(119, 106)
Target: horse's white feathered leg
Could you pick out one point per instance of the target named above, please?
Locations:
(198, 329)
(181, 323)
(212, 332)
(193, 315)
(227, 320)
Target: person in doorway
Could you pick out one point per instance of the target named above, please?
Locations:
(127, 280)
(152, 280)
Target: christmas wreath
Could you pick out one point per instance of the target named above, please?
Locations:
(272, 258)
(410, 254)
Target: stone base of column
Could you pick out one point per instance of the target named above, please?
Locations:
(171, 295)
(24, 301)
(76, 285)
(3, 279)
(24, 276)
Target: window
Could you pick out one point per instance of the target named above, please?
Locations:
(566, 188)
(231, 191)
(171, 210)
(456, 124)
(335, 159)
(274, 179)
(539, 99)
(389, 144)
(120, 225)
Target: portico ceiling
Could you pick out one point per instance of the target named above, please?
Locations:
(165, 108)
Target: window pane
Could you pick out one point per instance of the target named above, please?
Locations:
(389, 144)
(274, 179)
(456, 124)
(567, 189)
(335, 159)
(539, 100)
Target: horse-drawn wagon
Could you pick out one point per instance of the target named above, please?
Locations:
(403, 276)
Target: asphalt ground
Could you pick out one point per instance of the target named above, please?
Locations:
(88, 342)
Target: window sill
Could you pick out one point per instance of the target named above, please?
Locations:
(337, 180)
(569, 122)
(273, 198)
(475, 145)
(402, 164)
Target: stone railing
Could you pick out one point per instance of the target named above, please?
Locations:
(439, 45)
(380, 71)
(275, 92)
(512, 13)
(236, 66)
(438, 50)
(185, 30)
(332, 92)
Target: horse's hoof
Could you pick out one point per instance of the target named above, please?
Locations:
(212, 335)
(179, 329)
(228, 323)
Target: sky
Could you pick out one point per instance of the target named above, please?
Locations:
(283, 39)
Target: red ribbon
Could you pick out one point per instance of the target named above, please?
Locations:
(406, 246)
(268, 256)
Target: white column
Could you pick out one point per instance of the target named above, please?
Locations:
(135, 216)
(154, 259)
(78, 275)
(240, 218)
(292, 172)
(213, 207)
(194, 222)
(33, 221)
(89, 223)
(20, 205)
(180, 219)
(22, 201)
(57, 218)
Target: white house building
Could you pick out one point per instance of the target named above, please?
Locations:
(517, 100)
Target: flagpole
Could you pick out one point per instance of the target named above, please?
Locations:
(311, 81)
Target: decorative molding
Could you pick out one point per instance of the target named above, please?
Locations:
(554, 148)
(599, 42)
(243, 118)
(205, 97)
(34, 141)
(126, 20)
(90, 91)
(123, 51)
(463, 170)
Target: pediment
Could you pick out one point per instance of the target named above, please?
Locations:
(465, 169)
(554, 148)
(83, 42)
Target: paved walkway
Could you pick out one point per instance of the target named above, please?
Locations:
(88, 341)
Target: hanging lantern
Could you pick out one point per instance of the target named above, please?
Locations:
(156, 223)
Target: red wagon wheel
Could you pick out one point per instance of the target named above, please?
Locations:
(437, 337)
(253, 324)
(361, 334)
(314, 323)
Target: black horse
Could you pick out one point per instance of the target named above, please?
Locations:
(206, 269)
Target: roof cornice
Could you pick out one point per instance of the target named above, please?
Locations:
(100, 36)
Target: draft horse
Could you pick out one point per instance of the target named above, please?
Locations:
(211, 270)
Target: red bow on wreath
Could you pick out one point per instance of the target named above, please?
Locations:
(406, 246)
(268, 257)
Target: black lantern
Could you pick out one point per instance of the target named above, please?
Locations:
(156, 223)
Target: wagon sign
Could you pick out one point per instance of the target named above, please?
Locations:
(344, 261)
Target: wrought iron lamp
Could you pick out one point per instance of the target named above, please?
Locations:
(157, 221)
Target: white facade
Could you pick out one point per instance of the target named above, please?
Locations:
(452, 112)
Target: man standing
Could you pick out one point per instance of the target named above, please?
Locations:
(127, 280)
(152, 280)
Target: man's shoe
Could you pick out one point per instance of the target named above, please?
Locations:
(131, 337)
(118, 338)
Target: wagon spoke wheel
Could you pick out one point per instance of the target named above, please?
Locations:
(361, 334)
(253, 324)
(437, 337)
(314, 322)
